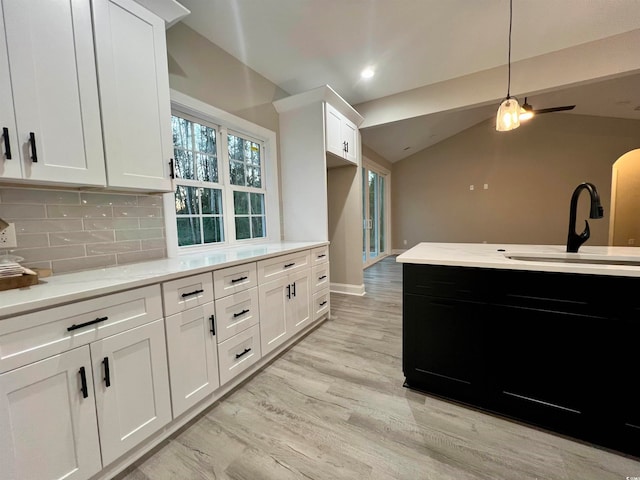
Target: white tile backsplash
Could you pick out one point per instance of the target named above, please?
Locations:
(70, 231)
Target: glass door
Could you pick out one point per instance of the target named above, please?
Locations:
(374, 205)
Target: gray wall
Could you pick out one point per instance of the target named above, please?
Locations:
(531, 173)
(204, 71)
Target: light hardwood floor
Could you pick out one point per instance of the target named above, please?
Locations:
(333, 407)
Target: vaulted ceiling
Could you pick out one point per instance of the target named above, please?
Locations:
(422, 46)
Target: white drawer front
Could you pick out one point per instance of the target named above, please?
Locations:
(34, 336)
(321, 303)
(277, 267)
(238, 353)
(320, 276)
(234, 279)
(235, 313)
(320, 255)
(184, 293)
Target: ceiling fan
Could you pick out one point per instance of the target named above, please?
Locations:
(530, 112)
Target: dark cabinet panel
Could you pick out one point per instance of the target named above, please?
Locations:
(552, 349)
(547, 364)
(441, 342)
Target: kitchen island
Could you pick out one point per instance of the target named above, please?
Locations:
(552, 343)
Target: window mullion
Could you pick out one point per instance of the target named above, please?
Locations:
(227, 191)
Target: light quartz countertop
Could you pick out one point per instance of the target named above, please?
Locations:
(545, 258)
(70, 287)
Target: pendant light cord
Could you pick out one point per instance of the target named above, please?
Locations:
(509, 60)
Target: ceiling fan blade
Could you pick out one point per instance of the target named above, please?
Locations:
(554, 109)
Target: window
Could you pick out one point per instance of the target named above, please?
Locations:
(220, 194)
(245, 168)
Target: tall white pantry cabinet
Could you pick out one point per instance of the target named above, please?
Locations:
(320, 161)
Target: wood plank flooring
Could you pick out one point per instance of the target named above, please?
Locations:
(333, 407)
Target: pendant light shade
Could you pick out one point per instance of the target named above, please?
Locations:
(508, 116)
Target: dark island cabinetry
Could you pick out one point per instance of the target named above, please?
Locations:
(557, 350)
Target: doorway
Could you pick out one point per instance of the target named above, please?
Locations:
(375, 208)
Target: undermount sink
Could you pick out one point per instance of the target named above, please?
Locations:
(566, 257)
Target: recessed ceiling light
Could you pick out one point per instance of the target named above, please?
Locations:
(367, 72)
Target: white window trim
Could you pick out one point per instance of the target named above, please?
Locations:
(194, 107)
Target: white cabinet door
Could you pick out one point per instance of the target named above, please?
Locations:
(350, 138)
(333, 131)
(55, 93)
(193, 356)
(298, 307)
(47, 425)
(273, 299)
(341, 135)
(10, 164)
(132, 387)
(284, 308)
(134, 93)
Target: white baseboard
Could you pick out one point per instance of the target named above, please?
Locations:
(347, 289)
(398, 251)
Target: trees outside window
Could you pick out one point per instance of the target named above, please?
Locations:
(205, 185)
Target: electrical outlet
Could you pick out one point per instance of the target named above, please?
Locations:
(8, 237)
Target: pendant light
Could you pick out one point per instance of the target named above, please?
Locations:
(508, 117)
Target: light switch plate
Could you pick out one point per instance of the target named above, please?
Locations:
(8, 237)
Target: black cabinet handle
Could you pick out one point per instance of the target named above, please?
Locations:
(34, 152)
(213, 325)
(86, 324)
(344, 147)
(235, 315)
(322, 277)
(107, 375)
(195, 292)
(234, 280)
(288, 291)
(347, 147)
(289, 265)
(172, 172)
(7, 144)
(246, 350)
(322, 256)
(83, 380)
(322, 304)
(293, 292)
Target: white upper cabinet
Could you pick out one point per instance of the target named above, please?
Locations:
(134, 95)
(47, 71)
(341, 135)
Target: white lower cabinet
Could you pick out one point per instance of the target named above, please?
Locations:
(48, 427)
(238, 353)
(284, 308)
(321, 303)
(132, 387)
(193, 356)
(83, 384)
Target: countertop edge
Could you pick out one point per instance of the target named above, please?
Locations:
(493, 256)
(80, 287)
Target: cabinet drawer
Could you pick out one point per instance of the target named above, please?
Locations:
(238, 353)
(277, 267)
(235, 313)
(34, 336)
(184, 293)
(320, 276)
(234, 279)
(320, 255)
(321, 303)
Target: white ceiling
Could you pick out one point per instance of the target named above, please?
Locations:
(303, 44)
